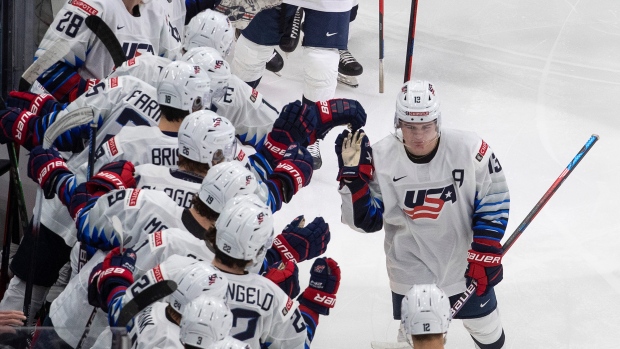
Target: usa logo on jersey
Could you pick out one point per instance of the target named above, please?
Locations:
(428, 203)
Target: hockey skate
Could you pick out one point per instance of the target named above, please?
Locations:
(348, 69)
(315, 151)
(290, 39)
(276, 63)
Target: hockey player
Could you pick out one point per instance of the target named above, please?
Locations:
(442, 198)
(157, 326)
(139, 27)
(205, 321)
(426, 316)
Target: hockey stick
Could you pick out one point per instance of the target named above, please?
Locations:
(108, 39)
(412, 22)
(381, 46)
(63, 123)
(55, 53)
(530, 216)
(145, 298)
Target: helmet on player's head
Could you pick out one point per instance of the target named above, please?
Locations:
(197, 279)
(244, 228)
(206, 320)
(217, 68)
(207, 138)
(225, 181)
(425, 310)
(417, 102)
(209, 29)
(184, 86)
(230, 343)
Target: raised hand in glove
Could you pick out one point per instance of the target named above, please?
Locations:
(294, 170)
(294, 124)
(47, 168)
(110, 278)
(115, 175)
(354, 156)
(286, 276)
(298, 243)
(485, 266)
(320, 295)
(337, 112)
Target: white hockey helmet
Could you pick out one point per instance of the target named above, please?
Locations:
(206, 320)
(230, 343)
(184, 86)
(207, 138)
(209, 29)
(215, 65)
(225, 181)
(195, 280)
(425, 310)
(417, 102)
(244, 228)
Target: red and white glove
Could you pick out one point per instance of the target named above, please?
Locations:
(485, 266)
(115, 175)
(320, 295)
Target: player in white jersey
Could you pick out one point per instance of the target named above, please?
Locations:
(442, 198)
(139, 27)
(426, 316)
(205, 321)
(157, 326)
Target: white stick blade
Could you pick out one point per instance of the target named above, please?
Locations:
(67, 121)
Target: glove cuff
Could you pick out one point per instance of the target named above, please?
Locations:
(273, 150)
(320, 298)
(21, 126)
(286, 251)
(484, 259)
(288, 172)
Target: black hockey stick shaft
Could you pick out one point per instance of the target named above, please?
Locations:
(530, 216)
(410, 41)
(107, 37)
(145, 298)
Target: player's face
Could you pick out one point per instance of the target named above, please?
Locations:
(419, 138)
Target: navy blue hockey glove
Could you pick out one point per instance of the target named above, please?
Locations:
(320, 295)
(115, 175)
(111, 278)
(17, 126)
(286, 276)
(354, 156)
(38, 104)
(298, 243)
(294, 171)
(337, 112)
(294, 124)
(485, 266)
(47, 168)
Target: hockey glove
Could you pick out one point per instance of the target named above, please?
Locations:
(485, 266)
(17, 126)
(294, 124)
(241, 12)
(115, 175)
(294, 171)
(110, 279)
(286, 276)
(298, 243)
(337, 112)
(37, 104)
(320, 295)
(354, 156)
(48, 168)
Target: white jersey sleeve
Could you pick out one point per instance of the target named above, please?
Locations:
(263, 313)
(143, 67)
(153, 330)
(142, 212)
(247, 110)
(180, 186)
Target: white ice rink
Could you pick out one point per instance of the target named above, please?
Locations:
(535, 79)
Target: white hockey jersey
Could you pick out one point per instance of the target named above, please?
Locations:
(180, 186)
(150, 33)
(117, 102)
(144, 67)
(247, 110)
(433, 211)
(264, 313)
